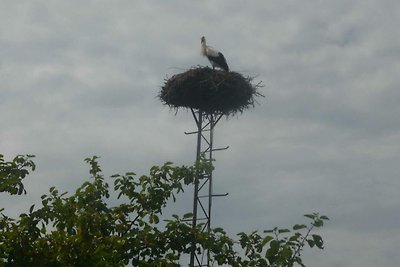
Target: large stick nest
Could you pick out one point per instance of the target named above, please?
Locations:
(211, 91)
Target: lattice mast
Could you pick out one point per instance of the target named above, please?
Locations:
(203, 187)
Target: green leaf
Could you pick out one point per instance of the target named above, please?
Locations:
(154, 219)
(287, 252)
(188, 216)
(273, 250)
(294, 238)
(267, 239)
(311, 216)
(299, 226)
(323, 217)
(318, 241)
(310, 242)
(218, 230)
(318, 223)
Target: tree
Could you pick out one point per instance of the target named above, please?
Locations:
(83, 229)
(12, 173)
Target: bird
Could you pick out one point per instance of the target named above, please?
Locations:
(215, 57)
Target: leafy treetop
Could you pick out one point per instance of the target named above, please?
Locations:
(82, 229)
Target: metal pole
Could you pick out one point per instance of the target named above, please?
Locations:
(199, 123)
(210, 188)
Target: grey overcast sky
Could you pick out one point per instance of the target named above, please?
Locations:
(80, 78)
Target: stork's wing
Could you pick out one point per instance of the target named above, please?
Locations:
(221, 61)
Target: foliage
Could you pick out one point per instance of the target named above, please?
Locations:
(84, 230)
(283, 250)
(12, 173)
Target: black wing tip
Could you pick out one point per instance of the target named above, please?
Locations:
(221, 61)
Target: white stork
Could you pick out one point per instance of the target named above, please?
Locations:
(216, 58)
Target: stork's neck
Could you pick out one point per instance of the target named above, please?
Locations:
(203, 48)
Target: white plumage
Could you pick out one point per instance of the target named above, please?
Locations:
(215, 57)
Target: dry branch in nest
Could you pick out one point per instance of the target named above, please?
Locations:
(212, 91)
